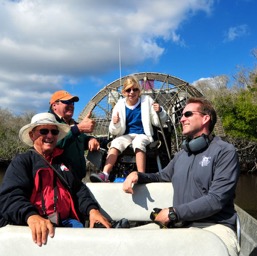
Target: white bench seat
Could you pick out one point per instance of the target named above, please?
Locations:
(117, 204)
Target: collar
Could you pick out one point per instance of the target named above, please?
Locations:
(134, 106)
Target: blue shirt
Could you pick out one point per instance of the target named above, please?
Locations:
(134, 120)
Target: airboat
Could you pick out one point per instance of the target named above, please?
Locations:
(171, 93)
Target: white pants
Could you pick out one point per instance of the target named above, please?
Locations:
(139, 141)
(226, 234)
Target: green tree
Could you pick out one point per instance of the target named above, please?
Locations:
(236, 105)
(239, 115)
(10, 144)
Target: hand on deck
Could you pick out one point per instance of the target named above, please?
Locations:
(96, 217)
(131, 179)
(40, 228)
(162, 216)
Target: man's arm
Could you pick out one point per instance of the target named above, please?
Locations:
(15, 191)
(16, 207)
(138, 177)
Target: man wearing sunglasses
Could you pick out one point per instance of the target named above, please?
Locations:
(39, 189)
(204, 175)
(77, 140)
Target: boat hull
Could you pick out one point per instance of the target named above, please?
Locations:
(146, 239)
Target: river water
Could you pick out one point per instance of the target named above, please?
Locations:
(246, 192)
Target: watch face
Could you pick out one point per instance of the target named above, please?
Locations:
(172, 215)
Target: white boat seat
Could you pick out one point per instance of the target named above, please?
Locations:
(117, 204)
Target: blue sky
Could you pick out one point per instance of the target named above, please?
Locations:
(49, 45)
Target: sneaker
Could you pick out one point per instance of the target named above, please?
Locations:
(98, 177)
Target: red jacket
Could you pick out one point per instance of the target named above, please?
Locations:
(20, 194)
(44, 183)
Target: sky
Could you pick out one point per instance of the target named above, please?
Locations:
(83, 45)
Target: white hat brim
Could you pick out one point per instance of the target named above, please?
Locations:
(25, 130)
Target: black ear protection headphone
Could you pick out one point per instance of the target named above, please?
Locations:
(197, 144)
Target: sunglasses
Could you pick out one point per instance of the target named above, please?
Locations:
(66, 102)
(45, 131)
(190, 113)
(132, 89)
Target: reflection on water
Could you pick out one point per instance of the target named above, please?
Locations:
(246, 192)
(2, 170)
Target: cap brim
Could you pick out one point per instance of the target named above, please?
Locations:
(73, 98)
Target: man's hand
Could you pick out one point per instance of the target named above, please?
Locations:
(96, 217)
(131, 179)
(163, 216)
(93, 144)
(87, 125)
(40, 228)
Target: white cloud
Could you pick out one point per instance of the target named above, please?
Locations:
(234, 33)
(45, 44)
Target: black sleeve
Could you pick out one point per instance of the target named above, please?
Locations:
(148, 178)
(86, 200)
(15, 191)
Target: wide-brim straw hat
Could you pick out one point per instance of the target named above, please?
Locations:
(42, 119)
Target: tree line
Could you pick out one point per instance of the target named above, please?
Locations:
(235, 104)
(10, 145)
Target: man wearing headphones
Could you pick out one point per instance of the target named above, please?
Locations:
(204, 175)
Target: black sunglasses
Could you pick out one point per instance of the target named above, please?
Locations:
(66, 102)
(132, 89)
(190, 113)
(45, 131)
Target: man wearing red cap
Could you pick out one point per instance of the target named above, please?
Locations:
(76, 141)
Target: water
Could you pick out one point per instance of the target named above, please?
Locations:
(246, 192)
(2, 170)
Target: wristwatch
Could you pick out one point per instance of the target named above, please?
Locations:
(172, 215)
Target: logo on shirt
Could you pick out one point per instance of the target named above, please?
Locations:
(64, 168)
(205, 161)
